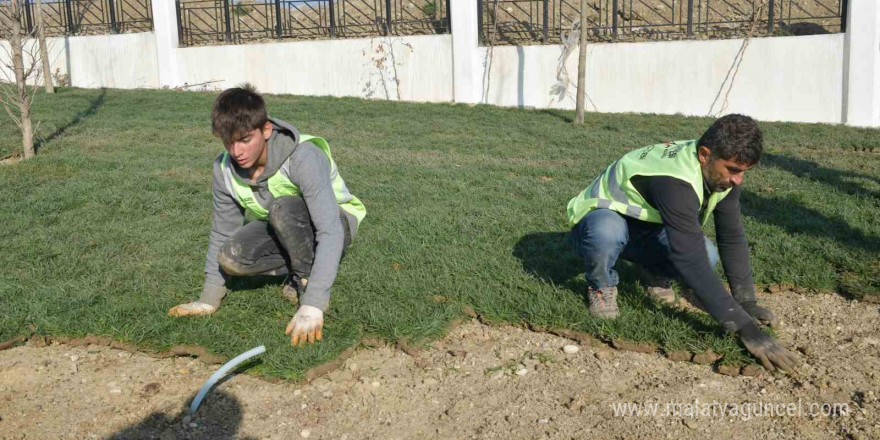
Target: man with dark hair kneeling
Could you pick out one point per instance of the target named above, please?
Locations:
(280, 207)
(649, 208)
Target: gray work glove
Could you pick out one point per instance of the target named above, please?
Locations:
(760, 314)
(745, 297)
(766, 349)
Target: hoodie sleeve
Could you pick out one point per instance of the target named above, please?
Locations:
(678, 206)
(733, 247)
(310, 171)
(228, 217)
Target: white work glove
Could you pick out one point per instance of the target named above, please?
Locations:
(306, 326)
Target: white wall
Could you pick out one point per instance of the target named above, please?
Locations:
(124, 61)
(779, 79)
(416, 68)
(821, 78)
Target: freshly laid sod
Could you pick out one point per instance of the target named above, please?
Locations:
(107, 228)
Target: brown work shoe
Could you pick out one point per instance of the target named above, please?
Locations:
(293, 288)
(659, 288)
(603, 302)
(664, 295)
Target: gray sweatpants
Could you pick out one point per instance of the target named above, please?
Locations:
(283, 244)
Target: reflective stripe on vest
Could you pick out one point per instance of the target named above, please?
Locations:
(280, 185)
(614, 190)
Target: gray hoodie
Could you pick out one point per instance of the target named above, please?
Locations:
(309, 169)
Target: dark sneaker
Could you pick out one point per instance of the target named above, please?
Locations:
(293, 288)
(603, 302)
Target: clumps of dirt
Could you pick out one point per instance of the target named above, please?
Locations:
(510, 380)
(707, 357)
(12, 342)
(406, 348)
(326, 368)
(753, 370)
(680, 356)
(638, 347)
(784, 287)
(38, 341)
(729, 370)
(12, 159)
(579, 337)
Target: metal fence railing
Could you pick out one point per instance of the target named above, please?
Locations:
(84, 17)
(543, 21)
(228, 21)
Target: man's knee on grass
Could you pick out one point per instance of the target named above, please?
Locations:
(289, 213)
(230, 259)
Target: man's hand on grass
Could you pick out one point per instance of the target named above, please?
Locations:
(306, 326)
(771, 354)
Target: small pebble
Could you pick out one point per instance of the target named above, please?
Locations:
(543, 421)
(193, 425)
(305, 433)
(297, 392)
(522, 372)
(570, 349)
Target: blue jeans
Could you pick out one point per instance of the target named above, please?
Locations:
(603, 236)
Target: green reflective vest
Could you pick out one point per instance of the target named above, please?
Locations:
(613, 189)
(280, 185)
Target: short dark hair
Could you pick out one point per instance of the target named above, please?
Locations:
(237, 111)
(734, 137)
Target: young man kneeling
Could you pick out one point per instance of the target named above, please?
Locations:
(280, 207)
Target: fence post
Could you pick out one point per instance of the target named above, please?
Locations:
(166, 15)
(614, 11)
(388, 18)
(770, 17)
(546, 19)
(29, 21)
(228, 20)
(480, 26)
(68, 9)
(448, 18)
(113, 27)
(690, 25)
(278, 18)
(179, 14)
(467, 58)
(862, 65)
(332, 20)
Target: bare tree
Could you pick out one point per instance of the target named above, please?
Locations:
(44, 52)
(17, 101)
(582, 67)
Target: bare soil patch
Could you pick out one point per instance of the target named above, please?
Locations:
(478, 382)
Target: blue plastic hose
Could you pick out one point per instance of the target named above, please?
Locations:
(222, 372)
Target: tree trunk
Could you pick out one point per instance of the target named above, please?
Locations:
(44, 52)
(582, 67)
(24, 102)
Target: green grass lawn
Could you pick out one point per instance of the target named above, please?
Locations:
(107, 228)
